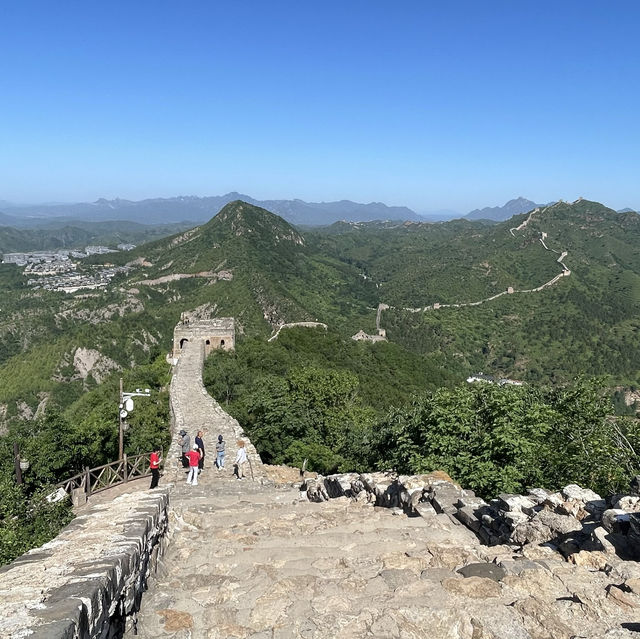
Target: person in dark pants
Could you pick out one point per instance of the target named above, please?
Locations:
(154, 464)
(200, 445)
(185, 444)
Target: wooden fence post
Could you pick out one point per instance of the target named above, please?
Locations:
(124, 468)
(87, 485)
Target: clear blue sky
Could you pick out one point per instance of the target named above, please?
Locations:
(409, 103)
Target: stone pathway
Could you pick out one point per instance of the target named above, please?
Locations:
(194, 409)
(260, 562)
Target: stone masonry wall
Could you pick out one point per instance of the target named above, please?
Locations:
(193, 409)
(88, 581)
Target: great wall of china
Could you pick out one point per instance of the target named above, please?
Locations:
(565, 272)
(347, 556)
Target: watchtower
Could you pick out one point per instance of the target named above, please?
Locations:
(218, 333)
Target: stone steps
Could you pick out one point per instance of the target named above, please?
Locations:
(253, 562)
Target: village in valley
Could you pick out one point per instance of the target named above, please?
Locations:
(58, 270)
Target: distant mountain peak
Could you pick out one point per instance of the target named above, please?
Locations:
(517, 206)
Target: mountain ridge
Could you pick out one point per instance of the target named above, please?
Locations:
(200, 209)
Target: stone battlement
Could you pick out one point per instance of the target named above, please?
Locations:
(87, 582)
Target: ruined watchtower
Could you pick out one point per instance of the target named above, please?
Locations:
(218, 333)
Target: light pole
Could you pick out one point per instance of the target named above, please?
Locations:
(125, 406)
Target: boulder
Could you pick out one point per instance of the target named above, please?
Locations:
(573, 491)
(558, 524)
(515, 503)
(543, 527)
(616, 520)
(538, 495)
(628, 503)
(592, 560)
(316, 490)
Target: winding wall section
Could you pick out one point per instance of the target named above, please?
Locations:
(193, 409)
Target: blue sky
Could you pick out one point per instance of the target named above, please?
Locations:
(410, 103)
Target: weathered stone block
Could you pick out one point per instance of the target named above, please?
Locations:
(424, 509)
(515, 503)
(538, 495)
(468, 517)
(78, 497)
(573, 491)
(616, 520)
(445, 497)
(628, 503)
(484, 570)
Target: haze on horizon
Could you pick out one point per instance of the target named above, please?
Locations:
(429, 107)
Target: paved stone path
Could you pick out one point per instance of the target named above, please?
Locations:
(258, 562)
(246, 560)
(194, 409)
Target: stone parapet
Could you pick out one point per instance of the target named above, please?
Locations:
(88, 581)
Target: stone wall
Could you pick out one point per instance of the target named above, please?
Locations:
(88, 581)
(193, 409)
(571, 521)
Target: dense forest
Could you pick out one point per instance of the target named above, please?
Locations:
(359, 407)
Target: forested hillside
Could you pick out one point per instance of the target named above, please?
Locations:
(317, 394)
(586, 322)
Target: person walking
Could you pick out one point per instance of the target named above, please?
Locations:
(220, 453)
(200, 445)
(241, 460)
(154, 465)
(185, 444)
(194, 458)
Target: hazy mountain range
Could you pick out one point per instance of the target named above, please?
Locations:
(199, 209)
(500, 213)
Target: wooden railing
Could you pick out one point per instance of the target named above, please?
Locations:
(93, 480)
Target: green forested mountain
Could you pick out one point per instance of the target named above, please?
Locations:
(251, 264)
(586, 322)
(317, 394)
(54, 235)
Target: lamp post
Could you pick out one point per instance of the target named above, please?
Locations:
(125, 406)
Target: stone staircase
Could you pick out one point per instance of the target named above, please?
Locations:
(260, 562)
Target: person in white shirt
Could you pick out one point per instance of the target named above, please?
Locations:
(241, 459)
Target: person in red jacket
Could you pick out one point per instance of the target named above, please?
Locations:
(154, 464)
(194, 458)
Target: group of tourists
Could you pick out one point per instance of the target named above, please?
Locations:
(193, 457)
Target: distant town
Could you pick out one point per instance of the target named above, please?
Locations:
(58, 270)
